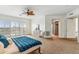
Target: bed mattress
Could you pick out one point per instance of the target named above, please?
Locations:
(13, 49)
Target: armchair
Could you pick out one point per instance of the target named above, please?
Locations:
(47, 34)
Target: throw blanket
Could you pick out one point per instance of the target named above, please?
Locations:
(23, 43)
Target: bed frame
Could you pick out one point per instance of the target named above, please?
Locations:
(38, 49)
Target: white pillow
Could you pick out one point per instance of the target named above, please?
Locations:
(10, 41)
(2, 49)
(1, 45)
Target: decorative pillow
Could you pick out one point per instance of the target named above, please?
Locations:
(2, 50)
(10, 41)
(1, 45)
(4, 40)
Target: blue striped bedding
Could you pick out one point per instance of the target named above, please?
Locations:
(23, 43)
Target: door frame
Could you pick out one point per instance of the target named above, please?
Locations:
(54, 28)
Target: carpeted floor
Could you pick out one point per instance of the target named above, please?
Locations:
(59, 46)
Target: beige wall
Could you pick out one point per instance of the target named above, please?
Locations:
(48, 24)
(67, 27)
(62, 28)
(71, 28)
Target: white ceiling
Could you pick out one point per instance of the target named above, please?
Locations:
(15, 10)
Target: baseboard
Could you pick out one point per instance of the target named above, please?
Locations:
(74, 39)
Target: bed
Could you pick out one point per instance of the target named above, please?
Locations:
(22, 45)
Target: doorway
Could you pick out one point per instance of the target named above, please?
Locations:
(56, 28)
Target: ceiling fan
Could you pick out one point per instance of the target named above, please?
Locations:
(27, 12)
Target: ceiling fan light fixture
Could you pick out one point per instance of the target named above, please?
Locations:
(28, 12)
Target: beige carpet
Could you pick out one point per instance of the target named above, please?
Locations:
(59, 46)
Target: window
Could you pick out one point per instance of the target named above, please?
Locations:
(12, 28)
